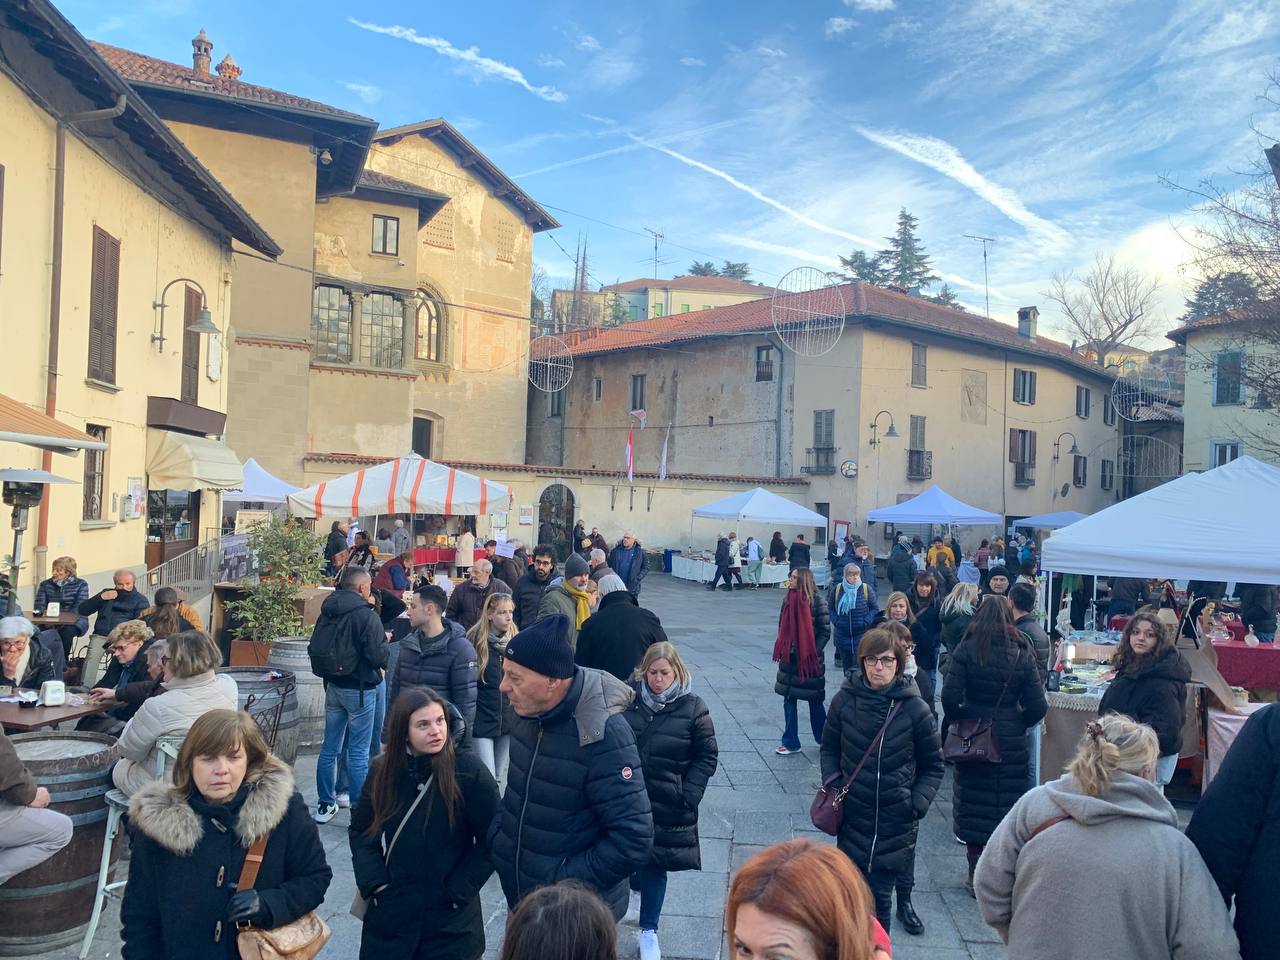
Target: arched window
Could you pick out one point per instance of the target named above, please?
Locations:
(430, 327)
(381, 330)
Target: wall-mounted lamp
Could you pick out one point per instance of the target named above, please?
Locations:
(1074, 451)
(890, 434)
(204, 319)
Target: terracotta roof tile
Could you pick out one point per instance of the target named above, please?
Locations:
(140, 68)
(372, 180)
(702, 284)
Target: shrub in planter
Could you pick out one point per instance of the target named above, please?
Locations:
(288, 556)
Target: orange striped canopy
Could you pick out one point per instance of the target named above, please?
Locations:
(410, 484)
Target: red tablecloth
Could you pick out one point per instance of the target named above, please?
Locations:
(424, 555)
(1254, 668)
(1234, 627)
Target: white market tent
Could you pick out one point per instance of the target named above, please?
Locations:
(1050, 521)
(410, 485)
(260, 486)
(760, 506)
(1220, 525)
(935, 505)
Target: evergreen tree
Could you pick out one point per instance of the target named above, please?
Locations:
(1220, 293)
(946, 297)
(860, 266)
(703, 268)
(735, 270)
(904, 260)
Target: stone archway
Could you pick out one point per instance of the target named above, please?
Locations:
(555, 519)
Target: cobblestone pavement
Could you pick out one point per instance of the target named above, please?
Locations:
(756, 798)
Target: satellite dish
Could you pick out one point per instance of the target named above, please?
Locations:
(550, 364)
(808, 311)
(1139, 393)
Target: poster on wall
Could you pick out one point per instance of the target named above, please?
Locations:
(526, 516)
(842, 532)
(136, 499)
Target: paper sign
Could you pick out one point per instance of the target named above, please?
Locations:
(505, 548)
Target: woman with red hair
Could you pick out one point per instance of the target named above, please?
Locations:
(805, 901)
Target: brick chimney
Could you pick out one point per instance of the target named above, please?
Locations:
(228, 69)
(1027, 317)
(201, 47)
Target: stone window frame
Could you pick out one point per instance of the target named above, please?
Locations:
(429, 291)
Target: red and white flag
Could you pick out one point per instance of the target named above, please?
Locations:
(642, 417)
(630, 463)
(662, 463)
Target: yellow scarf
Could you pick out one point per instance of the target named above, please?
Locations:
(582, 599)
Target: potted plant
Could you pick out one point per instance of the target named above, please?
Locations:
(288, 556)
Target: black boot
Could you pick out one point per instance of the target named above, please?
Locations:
(968, 884)
(911, 921)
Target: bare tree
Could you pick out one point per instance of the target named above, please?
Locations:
(1109, 307)
(540, 294)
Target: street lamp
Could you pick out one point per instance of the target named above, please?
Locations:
(204, 319)
(1074, 451)
(890, 434)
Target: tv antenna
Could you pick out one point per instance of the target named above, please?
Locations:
(986, 283)
(656, 238)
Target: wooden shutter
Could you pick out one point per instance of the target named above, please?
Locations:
(190, 347)
(1031, 386)
(104, 290)
(1031, 447)
(1013, 445)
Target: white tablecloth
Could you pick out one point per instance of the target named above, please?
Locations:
(1223, 728)
(701, 571)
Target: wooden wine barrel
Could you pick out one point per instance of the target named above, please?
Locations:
(48, 906)
(290, 654)
(257, 682)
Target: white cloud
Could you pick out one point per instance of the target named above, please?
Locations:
(628, 147)
(611, 68)
(692, 62)
(607, 121)
(365, 91)
(838, 25)
(770, 51)
(481, 66)
(796, 254)
(871, 6)
(947, 160)
(547, 60)
(588, 42)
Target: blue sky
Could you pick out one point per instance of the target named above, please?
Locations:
(785, 134)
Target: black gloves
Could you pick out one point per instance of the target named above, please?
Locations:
(247, 907)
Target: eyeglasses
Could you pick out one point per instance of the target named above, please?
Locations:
(15, 644)
(121, 647)
(889, 661)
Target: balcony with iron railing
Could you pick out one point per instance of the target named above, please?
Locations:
(1024, 474)
(919, 464)
(819, 460)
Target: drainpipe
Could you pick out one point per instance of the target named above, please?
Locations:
(777, 432)
(55, 297)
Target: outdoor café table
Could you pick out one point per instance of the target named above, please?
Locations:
(25, 719)
(61, 620)
(1254, 668)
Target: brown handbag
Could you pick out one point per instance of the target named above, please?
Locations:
(975, 740)
(825, 811)
(300, 940)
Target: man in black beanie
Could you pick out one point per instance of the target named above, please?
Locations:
(570, 598)
(575, 806)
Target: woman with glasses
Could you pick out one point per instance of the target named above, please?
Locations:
(128, 645)
(880, 744)
(23, 663)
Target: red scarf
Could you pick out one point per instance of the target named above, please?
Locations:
(795, 634)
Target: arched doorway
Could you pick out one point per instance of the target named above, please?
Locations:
(555, 518)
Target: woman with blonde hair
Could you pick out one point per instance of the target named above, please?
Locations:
(189, 841)
(804, 901)
(491, 732)
(678, 754)
(1105, 826)
(191, 688)
(129, 644)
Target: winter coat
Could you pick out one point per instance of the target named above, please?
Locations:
(638, 568)
(777, 550)
(901, 567)
(494, 715)
(400, 541)
(391, 576)
(898, 782)
(17, 787)
(678, 754)
(527, 594)
(557, 600)
(797, 555)
(575, 806)
(185, 611)
(446, 664)
(722, 552)
(127, 605)
(430, 907)
(186, 859)
(1029, 626)
(1155, 695)
(954, 625)
(614, 638)
(117, 676)
(39, 668)
(984, 792)
(849, 627)
(1236, 828)
(467, 600)
(788, 682)
(601, 571)
(1128, 593)
(926, 632)
(1159, 900)
(334, 544)
(506, 570)
(1258, 606)
(346, 612)
(70, 592)
(171, 714)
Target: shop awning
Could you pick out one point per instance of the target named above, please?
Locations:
(180, 461)
(408, 485)
(20, 423)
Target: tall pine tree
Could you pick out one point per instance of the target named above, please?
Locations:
(860, 266)
(904, 261)
(703, 268)
(1220, 293)
(946, 297)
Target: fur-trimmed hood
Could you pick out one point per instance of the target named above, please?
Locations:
(171, 822)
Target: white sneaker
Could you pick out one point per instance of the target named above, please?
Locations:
(325, 812)
(344, 800)
(649, 949)
(633, 909)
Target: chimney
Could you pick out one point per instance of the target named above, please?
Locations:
(201, 48)
(228, 69)
(1027, 317)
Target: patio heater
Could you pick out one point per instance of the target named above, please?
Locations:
(23, 489)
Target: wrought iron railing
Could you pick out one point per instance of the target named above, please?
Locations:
(196, 571)
(819, 460)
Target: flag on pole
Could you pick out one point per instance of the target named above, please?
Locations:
(630, 465)
(662, 462)
(642, 417)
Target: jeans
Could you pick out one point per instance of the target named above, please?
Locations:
(1033, 756)
(345, 710)
(651, 883)
(791, 722)
(495, 753)
(1166, 766)
(375, 740)
(722, 573)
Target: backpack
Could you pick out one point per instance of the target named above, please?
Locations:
(333, 651)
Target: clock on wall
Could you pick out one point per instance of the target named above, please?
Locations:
(849, 468)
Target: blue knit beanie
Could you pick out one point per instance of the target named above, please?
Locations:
(544, 648)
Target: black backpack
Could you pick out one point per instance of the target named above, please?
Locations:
(333, 650)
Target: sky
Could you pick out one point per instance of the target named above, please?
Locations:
(787, 134)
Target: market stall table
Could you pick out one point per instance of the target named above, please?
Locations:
(1064, 725)
(422, 556)
(1254, 668)
(14, 717)
(701, 571)
(1221, 730)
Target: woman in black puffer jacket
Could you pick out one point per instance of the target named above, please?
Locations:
(491, 732)
(678, 754)
(992, 673)
(896, 784)
(790, 685)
